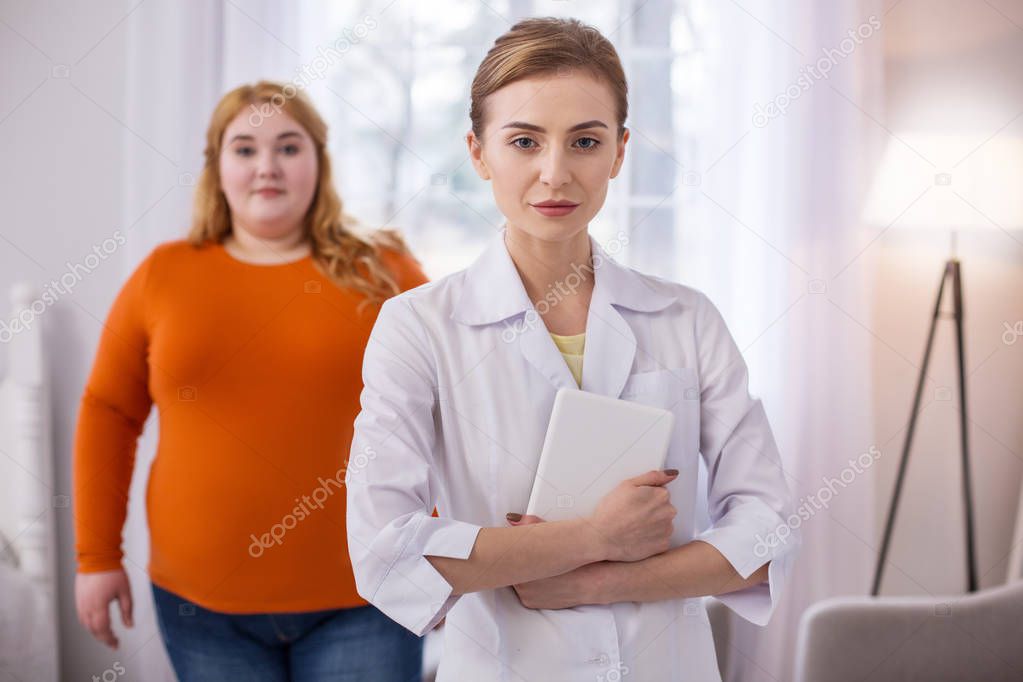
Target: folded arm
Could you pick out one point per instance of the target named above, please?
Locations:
(505, 556)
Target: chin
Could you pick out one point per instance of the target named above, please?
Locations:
(271, 227)
(553, 229)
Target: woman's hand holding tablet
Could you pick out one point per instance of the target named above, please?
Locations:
(635, 520)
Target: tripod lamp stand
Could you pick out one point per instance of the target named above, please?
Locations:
(978, 184)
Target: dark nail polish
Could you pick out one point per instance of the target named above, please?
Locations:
(671, 472)
(512, 516)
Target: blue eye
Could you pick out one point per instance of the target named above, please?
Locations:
(594, 143)
(530, 145)
(290, 149)
(244, 151)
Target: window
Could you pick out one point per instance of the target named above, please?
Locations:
(396, 97)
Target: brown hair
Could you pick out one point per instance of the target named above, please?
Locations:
(349, 259)
(542, 46)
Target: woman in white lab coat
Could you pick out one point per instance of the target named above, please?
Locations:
(460, 376)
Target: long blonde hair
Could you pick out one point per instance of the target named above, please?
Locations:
(350, 259)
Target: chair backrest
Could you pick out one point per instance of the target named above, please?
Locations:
(29, 500)
(1014, 570)
(948, 639)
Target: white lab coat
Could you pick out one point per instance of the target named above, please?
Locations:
(460, 376)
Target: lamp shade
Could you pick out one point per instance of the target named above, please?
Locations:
(947, 182)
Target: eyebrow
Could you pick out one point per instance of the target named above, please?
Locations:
(537, 129)
(290, 133)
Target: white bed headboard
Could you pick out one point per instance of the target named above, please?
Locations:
(28, 498)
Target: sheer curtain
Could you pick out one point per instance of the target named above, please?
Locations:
(774, 239)
(721, 190)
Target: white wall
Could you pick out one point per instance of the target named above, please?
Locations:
(64, 130)
(951, 65)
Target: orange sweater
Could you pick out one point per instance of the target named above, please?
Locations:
(256, 374)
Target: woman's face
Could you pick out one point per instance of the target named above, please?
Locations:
(550, 140)
(268, 173)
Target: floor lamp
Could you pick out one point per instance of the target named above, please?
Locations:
(950, 274)
(980, 190)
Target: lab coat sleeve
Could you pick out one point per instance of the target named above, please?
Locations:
(391, 479)
(747, 495)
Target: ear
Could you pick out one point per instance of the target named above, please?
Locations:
(476, 155)
(620, 154)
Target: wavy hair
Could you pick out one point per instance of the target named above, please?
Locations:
(350, 257)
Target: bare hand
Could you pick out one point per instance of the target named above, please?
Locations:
(93, 594)
(634, 520)
(563, 591)
(575, 588)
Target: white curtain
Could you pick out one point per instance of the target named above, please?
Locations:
(773, 238)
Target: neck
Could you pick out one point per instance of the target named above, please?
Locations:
(557, 276)
(246, 246)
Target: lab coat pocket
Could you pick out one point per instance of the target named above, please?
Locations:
(662, 387)
(678, 391)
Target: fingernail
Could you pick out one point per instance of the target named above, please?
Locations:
(671, 472)
(512, 516)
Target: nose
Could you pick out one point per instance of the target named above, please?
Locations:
(554, 168)
(267, 166)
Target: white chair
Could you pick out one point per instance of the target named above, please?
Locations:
(881, 639)
(28, 607)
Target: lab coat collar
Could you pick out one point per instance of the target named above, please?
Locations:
(493, 291)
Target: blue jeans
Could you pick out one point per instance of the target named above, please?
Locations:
(359, 644)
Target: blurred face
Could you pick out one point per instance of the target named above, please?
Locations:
(268, 173)
(550, 146)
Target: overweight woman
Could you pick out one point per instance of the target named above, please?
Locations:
(248, 337)
(460, 376)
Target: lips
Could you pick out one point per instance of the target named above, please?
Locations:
(269, 192)
(554, 208)
(555, 203)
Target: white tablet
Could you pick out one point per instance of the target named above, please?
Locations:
(593, 443)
